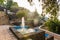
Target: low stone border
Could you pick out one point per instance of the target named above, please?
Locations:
(35, 35)
(56, 36)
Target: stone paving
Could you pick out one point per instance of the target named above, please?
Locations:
(5, 33)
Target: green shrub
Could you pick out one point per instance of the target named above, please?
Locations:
(50, 25)
(53, 25)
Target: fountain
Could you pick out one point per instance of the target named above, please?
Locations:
(23, 30)
(23, 33)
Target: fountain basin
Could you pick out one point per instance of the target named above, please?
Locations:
(38, 35)
(46, 35)
(49, 37)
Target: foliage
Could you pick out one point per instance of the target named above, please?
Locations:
(9, 4)
(35, 14)
(1, 2)
(14, 7)
(53, 25)
(51, 7)
(22, 13)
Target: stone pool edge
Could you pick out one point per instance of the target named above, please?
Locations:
(56, 36)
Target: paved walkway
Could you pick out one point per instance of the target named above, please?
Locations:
(5, 33)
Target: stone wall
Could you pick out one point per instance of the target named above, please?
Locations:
(3, 18)
(56, 36)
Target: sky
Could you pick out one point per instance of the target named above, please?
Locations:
(36, 5)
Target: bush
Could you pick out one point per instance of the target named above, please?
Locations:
(50, 25)
(53, 25)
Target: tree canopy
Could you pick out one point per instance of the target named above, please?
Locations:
(51, 7)
(22, 13)
(9, 4)
(2, 2)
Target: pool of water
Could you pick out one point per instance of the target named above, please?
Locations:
(19, 27)
(46, 35)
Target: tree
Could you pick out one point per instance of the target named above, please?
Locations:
(30, 1)
(9, 4)
(2, 2)
(51, 7)
(14, 7)
(14, 4)
(36, 15)
(53, 25)
(22, 13)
